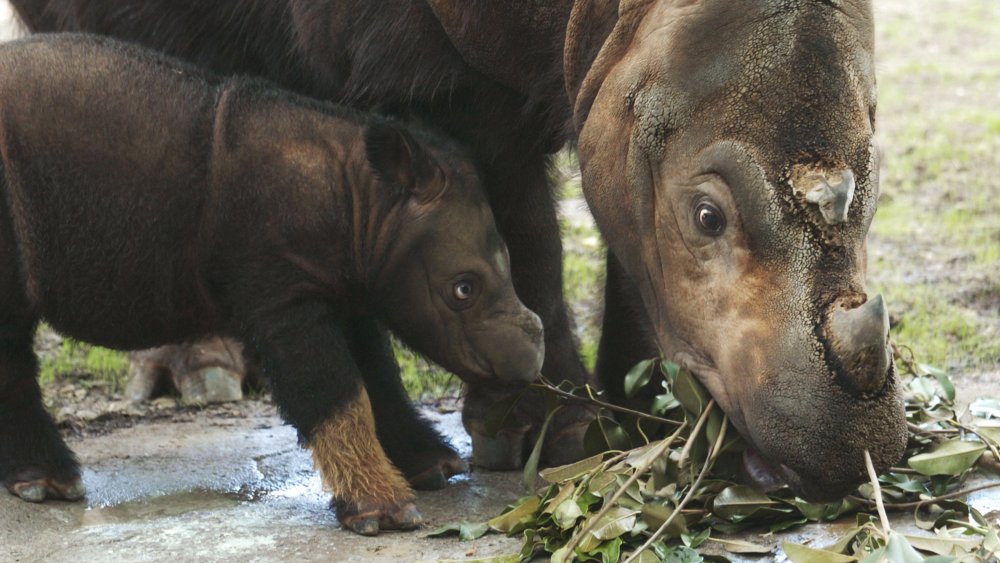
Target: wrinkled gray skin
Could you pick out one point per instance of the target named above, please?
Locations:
(750, 107)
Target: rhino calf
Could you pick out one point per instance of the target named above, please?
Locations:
(143, 201)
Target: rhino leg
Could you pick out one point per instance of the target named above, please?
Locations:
(210, 371)
(319, 389)
(35, 463)
(627, 335)
(410, 441)
(521, 198)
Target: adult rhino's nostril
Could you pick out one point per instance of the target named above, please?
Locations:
(860, 340)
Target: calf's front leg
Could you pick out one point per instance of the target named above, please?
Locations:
(318, 388)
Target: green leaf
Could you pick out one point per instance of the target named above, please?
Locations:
(680, 554)
(943, 379)
(466, 530)
(693, 541)
(647, 557)
(949, 458)
(670, 370)
(690, 394)
(565, 492)
(802, 554)
(787, 524)
(571, 470)
(739, 502)
(899, 550)
(610, 551)
(820, 511)
(616, 522)
(656, 514)
(519, 516)
(531, 466)
(943, 545)
(567, 513)
(663, 403)
(638, 377)
(741, 546)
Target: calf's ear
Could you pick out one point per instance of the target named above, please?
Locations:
(397, 160)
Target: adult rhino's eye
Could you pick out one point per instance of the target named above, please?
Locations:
(462, 290)
(709, 218)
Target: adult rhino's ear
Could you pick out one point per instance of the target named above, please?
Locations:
(398, 160)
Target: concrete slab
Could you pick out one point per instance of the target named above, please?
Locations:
(230, 489)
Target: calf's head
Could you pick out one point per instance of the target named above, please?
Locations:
(443, 282)
(727, 153)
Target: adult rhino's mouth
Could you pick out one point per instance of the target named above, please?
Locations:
(810, 479)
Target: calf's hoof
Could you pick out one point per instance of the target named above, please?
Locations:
(435, 476)
(37, 490)
(368, 519)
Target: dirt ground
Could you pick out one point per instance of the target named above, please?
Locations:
(174, 483)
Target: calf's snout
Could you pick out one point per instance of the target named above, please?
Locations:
(514, 346)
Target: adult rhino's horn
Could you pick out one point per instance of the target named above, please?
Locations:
(860, 338)
(831, 191)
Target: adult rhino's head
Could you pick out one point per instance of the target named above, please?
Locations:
(727, 154)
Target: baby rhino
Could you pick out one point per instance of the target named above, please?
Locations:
(144, 202)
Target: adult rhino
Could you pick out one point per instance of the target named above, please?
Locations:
(727, 154)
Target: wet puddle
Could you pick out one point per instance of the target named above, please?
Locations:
(154, 508)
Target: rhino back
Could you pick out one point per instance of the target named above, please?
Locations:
(104, 150)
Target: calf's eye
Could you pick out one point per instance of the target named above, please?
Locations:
(462, 290)
(709, 218)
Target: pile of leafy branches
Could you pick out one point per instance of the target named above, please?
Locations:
(642, 499)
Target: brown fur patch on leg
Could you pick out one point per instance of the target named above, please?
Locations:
(351, 461)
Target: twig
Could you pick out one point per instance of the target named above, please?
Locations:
(567, 395)
(639, 470)
(709, 461)
(934, 434)
(917, 504)
(877, 492)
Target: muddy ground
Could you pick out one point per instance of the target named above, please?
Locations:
(223, 483)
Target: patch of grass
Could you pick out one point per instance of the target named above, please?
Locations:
(941, 331)
(71, 358)
(423, 379)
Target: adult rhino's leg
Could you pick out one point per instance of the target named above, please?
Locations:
(419, 451)
(522, 202)
(208, 371)
(627, 335)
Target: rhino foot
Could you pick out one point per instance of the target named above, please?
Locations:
(435, 476)
(32, 488)
(367, 518)
(508, 448)
(500, 452)
(210, 371)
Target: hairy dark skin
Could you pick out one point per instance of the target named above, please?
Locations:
(726, 151)
(144, 201)
(395, 56)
